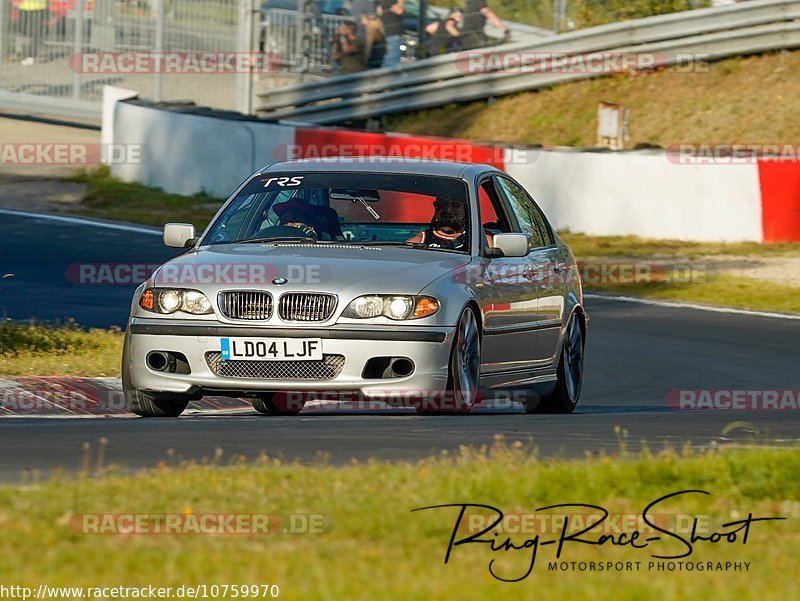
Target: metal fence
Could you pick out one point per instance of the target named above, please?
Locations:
(298, 42)
(67, 50)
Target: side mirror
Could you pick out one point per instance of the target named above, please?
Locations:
(512, 245)
(179, 235)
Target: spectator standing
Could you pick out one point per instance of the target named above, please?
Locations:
(391, 14)
(444, 34)
(375, 40)
(32, 17)
(348, 49)
(475, 17)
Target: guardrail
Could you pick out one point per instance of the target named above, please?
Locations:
(756, 26)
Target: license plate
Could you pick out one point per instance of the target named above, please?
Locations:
(271, 349)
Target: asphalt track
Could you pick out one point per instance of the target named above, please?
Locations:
(636, 354)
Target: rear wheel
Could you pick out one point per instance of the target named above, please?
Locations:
(564, 397)
(464, 373)
(277, 403)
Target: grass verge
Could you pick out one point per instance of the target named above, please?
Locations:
(697, 272)
(584, 246)
(717, 290)
(372, 545)
(108, 198)
(43, 350)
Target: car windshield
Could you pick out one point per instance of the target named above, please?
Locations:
(349, 208)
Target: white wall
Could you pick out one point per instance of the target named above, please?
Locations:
(644, 194)
(192, 153)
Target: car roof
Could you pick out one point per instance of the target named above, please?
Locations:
(383, 165)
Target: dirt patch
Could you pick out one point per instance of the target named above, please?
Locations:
(40, 195)
(781, 270)
(784, 270)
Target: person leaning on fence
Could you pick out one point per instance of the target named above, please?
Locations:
(391, 14)
(443, 34)
(31, 19)
(348, 49)
(475, 17)
(374, 40)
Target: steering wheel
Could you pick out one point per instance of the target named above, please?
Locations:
(286, 231)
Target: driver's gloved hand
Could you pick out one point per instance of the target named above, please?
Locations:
(308, 230)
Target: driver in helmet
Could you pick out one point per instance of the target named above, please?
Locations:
(295, 213)
(448, 227)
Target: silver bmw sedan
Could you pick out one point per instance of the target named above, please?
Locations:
(418, 283)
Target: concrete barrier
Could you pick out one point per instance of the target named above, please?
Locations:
(644, 194)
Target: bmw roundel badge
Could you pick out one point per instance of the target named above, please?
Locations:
(280, 281)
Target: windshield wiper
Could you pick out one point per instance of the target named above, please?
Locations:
(367, 207)
(277, 239)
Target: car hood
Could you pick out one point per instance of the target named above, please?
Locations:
(347, 270)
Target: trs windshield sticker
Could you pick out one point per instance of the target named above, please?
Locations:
(283, 182)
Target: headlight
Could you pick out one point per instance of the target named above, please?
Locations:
(394, 307)
(170, 300)
(398, 307)
(196, 302)
(365, 307)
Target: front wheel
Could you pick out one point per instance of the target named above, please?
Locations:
(277, 403)
(564, 397)
(149, 405)
(464, 372)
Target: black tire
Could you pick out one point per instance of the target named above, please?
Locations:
(276, 403)
(464, 371)
(567, 392)
(147, 405)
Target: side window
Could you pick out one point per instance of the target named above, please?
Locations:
(530, 219)
(492, 214)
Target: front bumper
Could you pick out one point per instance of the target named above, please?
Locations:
(428, 347)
